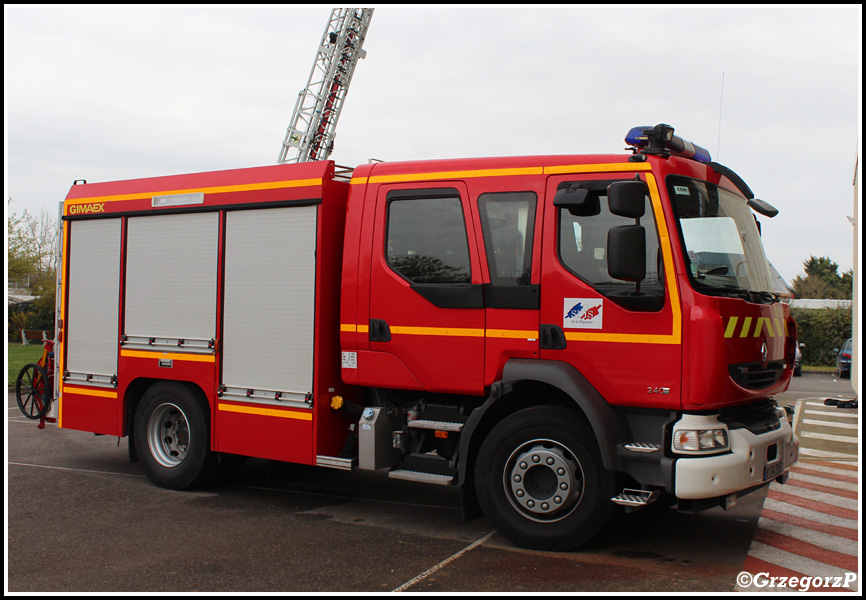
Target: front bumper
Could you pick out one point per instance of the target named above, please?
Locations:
(754, 459)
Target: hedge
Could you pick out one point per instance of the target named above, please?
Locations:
(822, 330)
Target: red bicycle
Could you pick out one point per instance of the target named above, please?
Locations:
(34, 388)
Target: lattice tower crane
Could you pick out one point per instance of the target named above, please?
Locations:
(314, 121)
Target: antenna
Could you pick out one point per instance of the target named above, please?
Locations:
(721, 97)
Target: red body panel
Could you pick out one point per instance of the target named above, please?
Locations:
(674, 358)
(294, 435)
(636, 360)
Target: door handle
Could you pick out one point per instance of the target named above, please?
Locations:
(552, 338)
(379, 331)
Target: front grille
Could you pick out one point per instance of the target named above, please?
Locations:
(759, 417)
(755, 376)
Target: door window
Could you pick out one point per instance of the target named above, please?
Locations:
(426, 241)
(508, 222)
(583, 247)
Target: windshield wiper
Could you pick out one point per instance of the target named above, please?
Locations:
(716, 271)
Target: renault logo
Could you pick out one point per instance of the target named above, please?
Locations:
(764, 354)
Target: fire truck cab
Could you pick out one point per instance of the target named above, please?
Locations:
(555, 334)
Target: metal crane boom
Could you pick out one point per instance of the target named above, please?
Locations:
(314, 121)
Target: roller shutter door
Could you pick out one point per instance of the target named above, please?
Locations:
(92, 302)
(171, 273)
(270, 262)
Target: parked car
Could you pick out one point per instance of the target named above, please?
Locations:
(798, 360)
(843, 360)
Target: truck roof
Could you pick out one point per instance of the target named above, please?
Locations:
(255, 184)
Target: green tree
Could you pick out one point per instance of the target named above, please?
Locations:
(30, 253)
(822, 280)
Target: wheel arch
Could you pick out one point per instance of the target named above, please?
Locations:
(527, 383)
(136, 391)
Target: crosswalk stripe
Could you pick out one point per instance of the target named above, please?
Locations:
(806, 549)
(818, 472)
(838, 425)
(814, 504)
(822, 488)
(809, 527)
(807, 535)
(763, 561)
(816, 516)
(849, 533)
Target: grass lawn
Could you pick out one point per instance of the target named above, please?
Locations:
(20, 355)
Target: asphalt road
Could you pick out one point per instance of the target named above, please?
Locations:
(81, 518)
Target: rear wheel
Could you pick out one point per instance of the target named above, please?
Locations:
(540, 479)
(172, 436)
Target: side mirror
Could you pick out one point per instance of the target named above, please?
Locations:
(627, 198)
(763, 207)
(626, 252)
(578, 201)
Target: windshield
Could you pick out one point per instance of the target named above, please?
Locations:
(722, 244)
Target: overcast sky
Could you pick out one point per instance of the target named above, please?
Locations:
(103, 93)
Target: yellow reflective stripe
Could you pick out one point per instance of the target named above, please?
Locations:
(599, 168)
(732, 325)
(268, 185)
(675, 336)
(622, 338)
(266, 412)
(510, 172)
(89, 392)
(444, 331)
(348, 328)
(511, 333)
(528, 334)
(171, 355)
(780, 330)
(780, 327)
(457, 174)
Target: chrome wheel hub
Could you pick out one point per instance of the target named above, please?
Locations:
(168, 435)
(543, 480)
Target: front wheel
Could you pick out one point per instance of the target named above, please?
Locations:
(540, 479)
(172, 437)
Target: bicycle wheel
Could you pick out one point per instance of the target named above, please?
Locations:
(32, 391)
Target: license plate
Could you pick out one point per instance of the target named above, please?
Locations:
(772, 471)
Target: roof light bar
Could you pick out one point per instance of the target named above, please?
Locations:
(661, 140)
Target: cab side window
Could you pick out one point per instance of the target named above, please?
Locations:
(426, 238)
(508, 223)
(583, 248)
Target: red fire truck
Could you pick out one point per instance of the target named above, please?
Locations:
(554, 334)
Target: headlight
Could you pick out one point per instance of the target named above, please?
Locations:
(700, 440)
(700, 434)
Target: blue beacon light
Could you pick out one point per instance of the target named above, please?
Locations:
(661, 140)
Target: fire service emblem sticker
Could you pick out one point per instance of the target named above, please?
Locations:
(582, 313)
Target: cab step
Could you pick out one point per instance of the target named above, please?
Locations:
(432, 478)
(636, 498)
(425, 468)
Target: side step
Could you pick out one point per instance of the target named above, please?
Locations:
(422, 477)
(636, 498)
(335, 462)
(425, 468)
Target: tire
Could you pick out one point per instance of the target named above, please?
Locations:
(172, 436)
(32, 391)
(540, 480)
